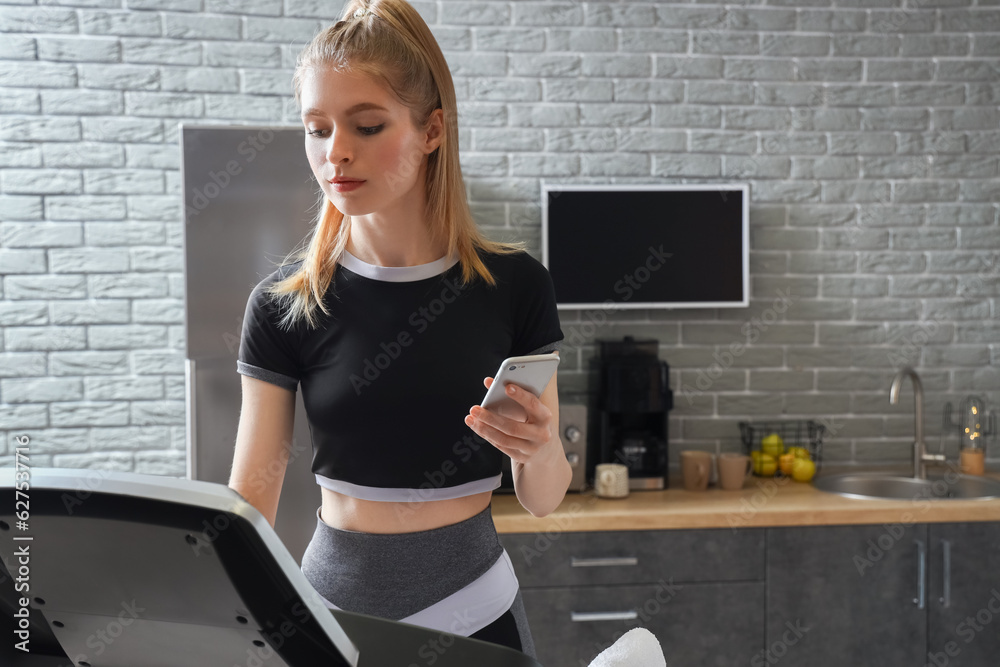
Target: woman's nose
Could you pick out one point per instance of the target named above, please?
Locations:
(339, 148)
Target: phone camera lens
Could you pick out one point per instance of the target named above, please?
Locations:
(512, 368)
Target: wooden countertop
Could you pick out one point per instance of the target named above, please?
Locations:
(762, 502)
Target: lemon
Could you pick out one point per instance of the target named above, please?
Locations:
(765, 465)
(773, 445)
(803, 470)
(800, 452)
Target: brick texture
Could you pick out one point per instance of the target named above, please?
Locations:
(868, 130)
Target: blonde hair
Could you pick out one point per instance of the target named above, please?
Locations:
(389, 41)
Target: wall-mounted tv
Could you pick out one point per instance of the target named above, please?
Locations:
(647, 246)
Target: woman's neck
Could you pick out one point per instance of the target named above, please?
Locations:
(381, 245)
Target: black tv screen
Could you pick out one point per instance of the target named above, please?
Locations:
(647, 246)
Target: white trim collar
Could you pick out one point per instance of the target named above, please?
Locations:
(397, 274)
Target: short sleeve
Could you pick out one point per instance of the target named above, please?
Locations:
(266, 352)
(536, 319)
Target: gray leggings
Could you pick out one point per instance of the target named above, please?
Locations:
(394, 575)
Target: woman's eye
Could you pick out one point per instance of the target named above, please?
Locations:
(367, 131)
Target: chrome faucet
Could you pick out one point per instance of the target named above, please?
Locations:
(920, 455)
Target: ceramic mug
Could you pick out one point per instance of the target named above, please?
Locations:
(696, 469)
(734, 470)
(611, 480)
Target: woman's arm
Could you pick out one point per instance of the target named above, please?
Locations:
(538, 461)
(263, 443)
(541, 483)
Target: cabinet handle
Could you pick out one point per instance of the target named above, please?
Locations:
(946, 598)
(582, 616)
(603, 562)
(921, 574)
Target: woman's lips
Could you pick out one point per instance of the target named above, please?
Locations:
(346, 186)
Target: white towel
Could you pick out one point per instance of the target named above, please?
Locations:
(636, 648)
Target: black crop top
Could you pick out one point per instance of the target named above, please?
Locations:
(388, 378)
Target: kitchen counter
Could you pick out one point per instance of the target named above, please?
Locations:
(762, 502)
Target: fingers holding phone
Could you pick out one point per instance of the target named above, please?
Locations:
(511, 416)
(531, 373)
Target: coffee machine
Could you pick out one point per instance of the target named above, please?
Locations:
(630, 411)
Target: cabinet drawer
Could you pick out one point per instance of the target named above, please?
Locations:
(696, 624)
(642, 556)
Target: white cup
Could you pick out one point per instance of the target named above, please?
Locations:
(611, 480)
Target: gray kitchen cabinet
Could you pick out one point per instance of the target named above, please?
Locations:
(964, 595)
(707, 624)
(701, 592)
(852, 592)
(903, 594)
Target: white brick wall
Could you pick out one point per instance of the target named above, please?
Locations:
(869, 132)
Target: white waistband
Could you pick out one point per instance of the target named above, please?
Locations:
(408, 495)
(472, 608)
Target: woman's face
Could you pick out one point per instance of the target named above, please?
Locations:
(356, 129)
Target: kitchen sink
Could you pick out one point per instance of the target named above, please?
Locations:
(935, 487)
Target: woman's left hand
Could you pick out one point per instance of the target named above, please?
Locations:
(518, 440)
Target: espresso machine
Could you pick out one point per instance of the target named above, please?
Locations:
(630, 411)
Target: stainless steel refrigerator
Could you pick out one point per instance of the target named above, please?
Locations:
(249, 199)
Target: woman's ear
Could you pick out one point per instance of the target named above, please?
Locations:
(435, 131)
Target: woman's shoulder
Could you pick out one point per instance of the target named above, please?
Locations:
(518, 261)
(515, 271)
(261, 296)
(279, 274)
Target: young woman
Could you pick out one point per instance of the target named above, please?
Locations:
(393, 318)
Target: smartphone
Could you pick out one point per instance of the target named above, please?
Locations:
(531, 373)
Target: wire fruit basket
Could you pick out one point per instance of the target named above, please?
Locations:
(806, 433)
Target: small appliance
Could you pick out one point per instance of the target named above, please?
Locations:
(630, 413)
(573, 433)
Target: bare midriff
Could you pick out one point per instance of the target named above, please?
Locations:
(371, 516)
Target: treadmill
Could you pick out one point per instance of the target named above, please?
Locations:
(121, 569)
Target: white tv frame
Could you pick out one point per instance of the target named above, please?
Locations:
(743, 188)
